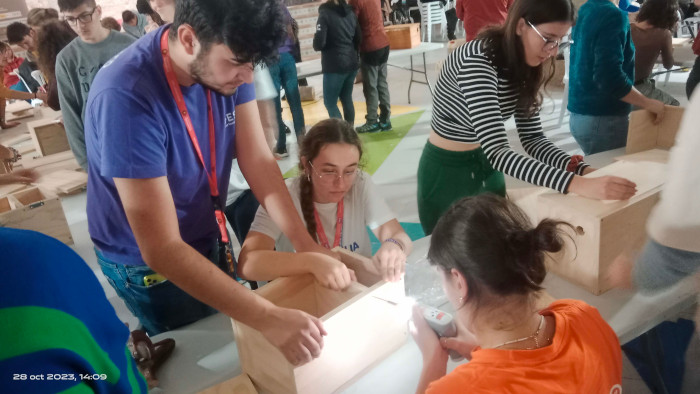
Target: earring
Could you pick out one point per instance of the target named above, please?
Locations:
(461, 300)
(308, 177)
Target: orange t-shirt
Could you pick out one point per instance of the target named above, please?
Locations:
(584, 357)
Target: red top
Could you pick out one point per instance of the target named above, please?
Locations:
(478, 14)
(369, 15)
(9, 78)
(584, 357)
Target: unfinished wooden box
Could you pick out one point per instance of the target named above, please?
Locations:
(365, 323)
(403, 36)
(643, 134)
(35, 209)
(49, 137)
(602, 230)
(307, 93)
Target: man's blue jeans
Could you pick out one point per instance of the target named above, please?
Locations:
(596, 134)
(159, 307)
(284, 75)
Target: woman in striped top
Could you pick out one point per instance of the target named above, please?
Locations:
(482, 84)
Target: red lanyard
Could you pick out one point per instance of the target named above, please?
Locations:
(338, 228)
(182, 107)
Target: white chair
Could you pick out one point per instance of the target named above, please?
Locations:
(39, 77)
(431, 14)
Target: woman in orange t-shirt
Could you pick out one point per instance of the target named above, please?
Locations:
(492, 265)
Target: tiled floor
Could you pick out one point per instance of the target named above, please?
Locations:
(396, 178)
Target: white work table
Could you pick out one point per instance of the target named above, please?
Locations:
(311, 68)
(206, 355)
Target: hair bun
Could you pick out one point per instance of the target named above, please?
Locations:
(547, 236)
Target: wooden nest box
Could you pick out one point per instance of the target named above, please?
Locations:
(365, 323)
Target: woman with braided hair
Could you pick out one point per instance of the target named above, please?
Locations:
(337, 201)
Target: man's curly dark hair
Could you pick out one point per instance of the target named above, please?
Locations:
(659, 13)
(252, 29)
(16, 32)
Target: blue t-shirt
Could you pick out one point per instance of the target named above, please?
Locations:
(58, 331)
(133, 129)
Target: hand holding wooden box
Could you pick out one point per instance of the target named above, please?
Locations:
(602, 230)
(364, 324)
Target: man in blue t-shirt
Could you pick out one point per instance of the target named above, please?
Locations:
(150, 207)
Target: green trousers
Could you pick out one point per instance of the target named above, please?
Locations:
(444, 177)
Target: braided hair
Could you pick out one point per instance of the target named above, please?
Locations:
(329, 131)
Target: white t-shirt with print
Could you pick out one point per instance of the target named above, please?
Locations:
(362, 205)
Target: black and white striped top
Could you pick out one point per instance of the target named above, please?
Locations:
(471, 104)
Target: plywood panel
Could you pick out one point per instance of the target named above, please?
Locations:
(49, 137)
(643, 134)
(241, 384)
(363, 327)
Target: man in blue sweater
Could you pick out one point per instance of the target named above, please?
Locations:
(601, 79)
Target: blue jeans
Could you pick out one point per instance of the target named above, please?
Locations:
(599, 133)
(337, 85)
(160, 307)
(284, 75)
(660, 267)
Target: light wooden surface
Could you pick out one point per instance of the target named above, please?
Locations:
(602, 230)
(643, 134)
(365, 323)
(241, 384)
(653, 155)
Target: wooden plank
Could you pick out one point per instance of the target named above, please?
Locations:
(28, 162)
(49, 136)
(63, 181)
(11, 141)
(643, 134)
(362, 326)
(655, 155)
(9, 189)
(241, 384)
(17, 106)
(27, 113)
(647, 175)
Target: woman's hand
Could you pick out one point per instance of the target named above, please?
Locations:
(427, 340)
(390, 261)
(603, 188)
(8, 125)
(19, 176)
(331, 273)
(463, 343)
(657, 108)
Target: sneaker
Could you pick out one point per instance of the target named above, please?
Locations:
(385, 126)
(281, 154)
(369, 128)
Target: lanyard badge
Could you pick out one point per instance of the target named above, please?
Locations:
(225, 249)
(321, 233)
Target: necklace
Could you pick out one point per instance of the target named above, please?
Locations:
(533, 337)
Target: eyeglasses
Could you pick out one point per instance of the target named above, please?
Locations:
(85, 17)
(329, 177)
(548, 44)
